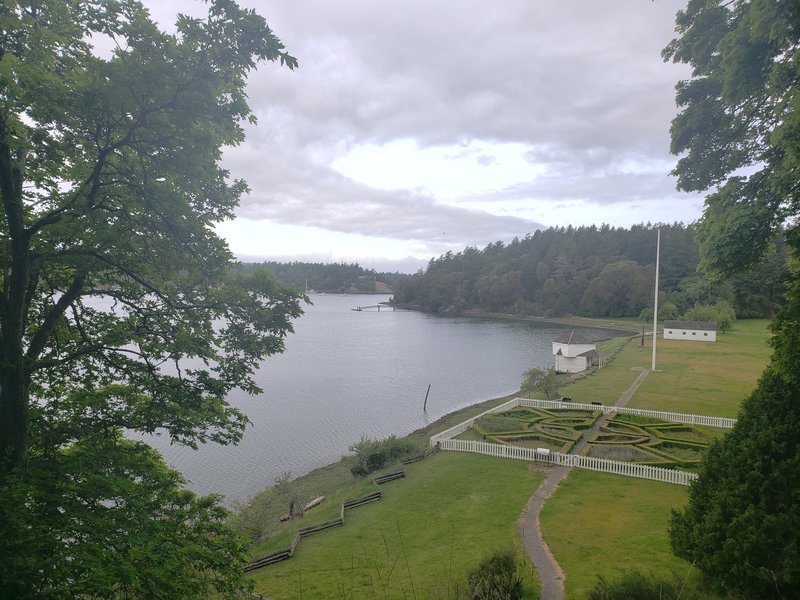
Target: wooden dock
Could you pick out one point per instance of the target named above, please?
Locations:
(384, 305)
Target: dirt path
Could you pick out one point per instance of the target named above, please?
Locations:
(550, 574)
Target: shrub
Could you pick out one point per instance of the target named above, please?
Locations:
(495, 424)
(636, 586)
(495, 578)
(372, 455)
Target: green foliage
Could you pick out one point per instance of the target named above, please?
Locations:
(739, 134)
(721, 312)
(740, 109)
(257, 520)
(623, 288)
(540, 380)
(120, 307)
(740, 526)
(495, 578)
(333, 277)
(497, 424)
(373, 455)
(585, 270)
(666, 310)
(634, 585)
(106, 518)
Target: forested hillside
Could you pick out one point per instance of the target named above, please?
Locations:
(332, 277)
(594, 271)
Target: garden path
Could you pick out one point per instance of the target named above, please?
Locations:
(551, 576)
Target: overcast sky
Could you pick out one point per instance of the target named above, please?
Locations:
(416, 127)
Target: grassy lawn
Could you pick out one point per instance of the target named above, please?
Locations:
(691, 377)
(601, 524)
(424, 535)
(706, 378)
(333, 481)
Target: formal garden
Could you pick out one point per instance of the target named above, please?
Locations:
(625, 437)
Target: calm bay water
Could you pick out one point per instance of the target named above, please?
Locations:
(345, 374)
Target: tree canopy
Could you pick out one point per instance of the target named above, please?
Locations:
(739, 133)
(595, 271)
(119, 306)
(331, 277)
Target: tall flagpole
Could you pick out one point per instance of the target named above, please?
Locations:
(655, 302)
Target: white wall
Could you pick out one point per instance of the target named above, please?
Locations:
(567, 364)
(692, 335)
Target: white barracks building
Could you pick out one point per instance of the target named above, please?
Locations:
(695, 331)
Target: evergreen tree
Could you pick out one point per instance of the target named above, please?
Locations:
(741, 114)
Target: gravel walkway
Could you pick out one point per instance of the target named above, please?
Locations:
(550, 574)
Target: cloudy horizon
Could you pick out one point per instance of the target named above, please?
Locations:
(412, 129)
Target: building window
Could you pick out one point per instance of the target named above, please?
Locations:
(683, 332)
(705, 334)
(670, 331)
(694, 333)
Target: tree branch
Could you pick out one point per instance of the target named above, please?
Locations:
(46, 329)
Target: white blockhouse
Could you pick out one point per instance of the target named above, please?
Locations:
(574, 353)
(695, 331)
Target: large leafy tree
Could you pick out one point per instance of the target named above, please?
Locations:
(120, 308)
(739, 132)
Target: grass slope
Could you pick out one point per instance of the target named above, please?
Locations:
(601, 524)
(430, 528)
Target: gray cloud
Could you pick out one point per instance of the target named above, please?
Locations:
(581, 82)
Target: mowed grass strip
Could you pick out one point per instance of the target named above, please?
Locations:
(706, 378)
(429, 529)
(603, 524)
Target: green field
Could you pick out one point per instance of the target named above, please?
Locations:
(706, 378)
(601, 524)
(431, 527)
(702, 378)
(453, 509)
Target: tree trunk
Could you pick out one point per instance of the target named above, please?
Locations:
(13, 311)
(14, 396)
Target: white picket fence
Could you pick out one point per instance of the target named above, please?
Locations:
(445, 442)
(462, 427)
(604, 465)
(674, 417)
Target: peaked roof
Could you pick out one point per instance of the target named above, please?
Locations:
(571, 338)
(698, 325)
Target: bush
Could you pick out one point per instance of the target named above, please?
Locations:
(372, 455)
(722, 312)
(495, 578)
(636, 586)
(493, 424)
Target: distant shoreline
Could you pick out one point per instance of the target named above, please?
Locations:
(594, 322)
